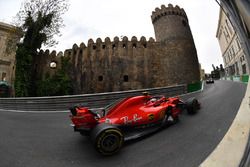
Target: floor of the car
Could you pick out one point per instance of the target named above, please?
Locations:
(137, 133)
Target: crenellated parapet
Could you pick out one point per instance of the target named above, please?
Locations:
(108, 44)
(170, 10)
(48, 62)
(170, 23)
(52, 60)
(51, 56)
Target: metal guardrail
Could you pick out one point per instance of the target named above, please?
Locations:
(62, 103)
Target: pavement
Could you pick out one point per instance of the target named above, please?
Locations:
(47, 140)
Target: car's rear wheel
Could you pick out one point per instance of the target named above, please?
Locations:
(107, 139)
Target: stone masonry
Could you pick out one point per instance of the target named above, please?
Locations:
(106, 66)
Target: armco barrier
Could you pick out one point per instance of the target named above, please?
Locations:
(194, 86)
(239, 78)
(245, 78)
(62, 103)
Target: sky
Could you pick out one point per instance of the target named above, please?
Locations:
(94, 19)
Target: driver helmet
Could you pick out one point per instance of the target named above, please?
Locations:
(153, 100)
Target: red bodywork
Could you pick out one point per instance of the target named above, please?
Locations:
(132, 111)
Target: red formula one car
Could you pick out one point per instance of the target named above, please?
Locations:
(127, 119)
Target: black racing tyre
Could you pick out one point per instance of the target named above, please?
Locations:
(107, 139)
(192, 105)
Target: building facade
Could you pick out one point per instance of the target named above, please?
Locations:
(9, 37)
(234, 58)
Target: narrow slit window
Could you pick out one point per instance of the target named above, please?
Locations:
(184, 23)
(4, 76)
(125, 78)
(100, 78)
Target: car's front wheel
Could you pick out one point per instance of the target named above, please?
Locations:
(107, 139)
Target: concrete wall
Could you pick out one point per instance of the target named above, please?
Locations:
(63, 103)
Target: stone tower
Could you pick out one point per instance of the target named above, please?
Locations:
(172, 29)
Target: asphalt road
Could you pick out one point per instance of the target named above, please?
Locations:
(47, 140)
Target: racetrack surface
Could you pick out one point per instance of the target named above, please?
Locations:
(47, 140)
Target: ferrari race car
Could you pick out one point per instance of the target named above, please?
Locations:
(127, 119)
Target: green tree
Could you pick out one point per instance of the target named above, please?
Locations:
(40, 20)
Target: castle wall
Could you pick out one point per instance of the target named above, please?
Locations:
(112, 66)
(106, 66)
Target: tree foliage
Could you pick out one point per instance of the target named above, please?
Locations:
(23, 72)
(40, 20)
(43, 17)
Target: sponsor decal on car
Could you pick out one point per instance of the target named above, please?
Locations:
(134, 119)
(151, 117)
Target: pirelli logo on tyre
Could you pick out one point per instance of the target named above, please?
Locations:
(151, 117)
